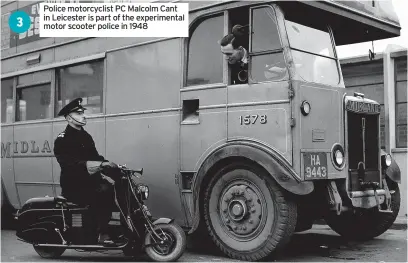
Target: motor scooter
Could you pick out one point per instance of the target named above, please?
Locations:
(54, 224)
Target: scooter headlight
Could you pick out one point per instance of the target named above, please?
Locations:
(143, 190)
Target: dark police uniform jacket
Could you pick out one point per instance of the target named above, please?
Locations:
(73, 148)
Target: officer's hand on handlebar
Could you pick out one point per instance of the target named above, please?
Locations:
(109, 164)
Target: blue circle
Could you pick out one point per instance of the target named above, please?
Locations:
(19, 22)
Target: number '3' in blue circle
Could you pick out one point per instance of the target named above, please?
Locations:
(19, 22)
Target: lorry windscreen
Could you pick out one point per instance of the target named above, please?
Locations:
(313, 53)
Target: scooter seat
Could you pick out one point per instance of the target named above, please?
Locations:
(60, 199)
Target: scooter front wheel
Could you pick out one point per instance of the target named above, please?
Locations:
(170, 246)
(49, 252)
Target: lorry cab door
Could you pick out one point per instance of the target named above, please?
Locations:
(259, 107)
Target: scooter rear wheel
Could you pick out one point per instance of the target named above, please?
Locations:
(165, 253)
(49, 252)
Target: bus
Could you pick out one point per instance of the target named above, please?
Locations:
(247, 158)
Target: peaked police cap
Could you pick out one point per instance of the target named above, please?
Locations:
(75, 105)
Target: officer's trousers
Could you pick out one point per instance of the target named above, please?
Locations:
(100, 198)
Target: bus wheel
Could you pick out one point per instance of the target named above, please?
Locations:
(366, 224)
(246, 212)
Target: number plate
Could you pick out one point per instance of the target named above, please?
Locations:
(315, 165)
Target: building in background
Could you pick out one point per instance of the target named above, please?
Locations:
(384, 79)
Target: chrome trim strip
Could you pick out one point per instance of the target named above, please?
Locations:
(36, 183)
(59, 119)
(31, 156)
(100, 115)
(270, 102)
(220, 106)
(142, 112)
(204, 87)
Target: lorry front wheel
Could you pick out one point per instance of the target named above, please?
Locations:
(247, 214)
(366, 224)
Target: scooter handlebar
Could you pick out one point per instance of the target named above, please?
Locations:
(124, 168)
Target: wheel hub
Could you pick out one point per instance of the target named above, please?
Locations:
(241, 208)
(237, 210)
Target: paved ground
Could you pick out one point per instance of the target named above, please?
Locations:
(317, 245)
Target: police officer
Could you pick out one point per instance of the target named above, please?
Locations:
(81, 164)
(233, 46)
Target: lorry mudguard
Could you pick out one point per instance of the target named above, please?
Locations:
(270, 160)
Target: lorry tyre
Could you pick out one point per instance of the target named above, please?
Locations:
(366, 224)
(247, 214)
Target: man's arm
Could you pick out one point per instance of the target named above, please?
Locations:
(97, 156)
(69, 161)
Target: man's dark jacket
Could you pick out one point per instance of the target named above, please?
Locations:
(73, 148)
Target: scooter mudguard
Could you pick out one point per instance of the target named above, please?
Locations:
(163, 220)
(38, 219)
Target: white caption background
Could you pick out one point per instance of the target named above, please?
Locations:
(114, 20)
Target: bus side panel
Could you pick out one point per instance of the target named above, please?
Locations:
(144, 78)
(141, 79)
(150, 142)
(33, 162)
(95, 127)
(202, 133)
(7, 168)
(267, 117)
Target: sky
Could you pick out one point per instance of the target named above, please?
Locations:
(401, 7)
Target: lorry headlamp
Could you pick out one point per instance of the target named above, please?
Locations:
(305, 108)
(386, 160)
(338, 156)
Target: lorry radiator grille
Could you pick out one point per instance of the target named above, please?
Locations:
(363, 147)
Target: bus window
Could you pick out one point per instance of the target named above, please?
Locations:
(7, 104)
(267, 61)
(85, 81)
(34, 102)
(313, 53)
(204, 60)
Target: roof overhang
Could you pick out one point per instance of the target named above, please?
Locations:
(352, 21)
